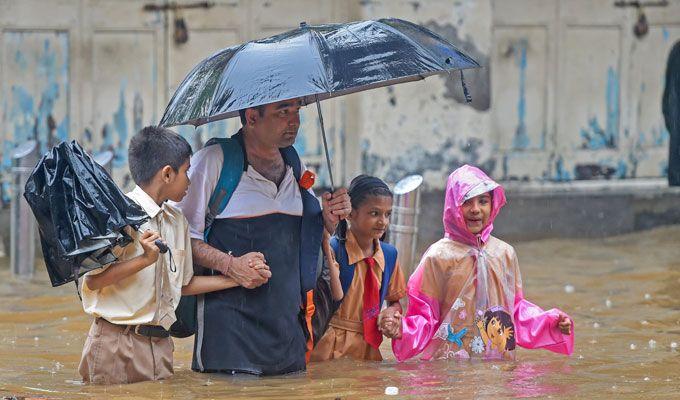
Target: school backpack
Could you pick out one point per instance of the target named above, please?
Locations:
(324, 304)
(312, 226)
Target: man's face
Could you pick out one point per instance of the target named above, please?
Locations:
(279, 123)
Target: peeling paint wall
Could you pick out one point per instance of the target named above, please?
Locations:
(35, 92)
(566, 91)
(426, 127)
(100, 70)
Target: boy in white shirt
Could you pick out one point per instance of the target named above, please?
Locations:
(133, 300)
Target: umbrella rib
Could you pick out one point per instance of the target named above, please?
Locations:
(319, 43)
(415, 44)
(212, 99)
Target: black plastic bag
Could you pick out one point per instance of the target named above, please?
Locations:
(80, 211)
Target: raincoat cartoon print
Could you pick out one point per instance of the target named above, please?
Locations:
(465, 297)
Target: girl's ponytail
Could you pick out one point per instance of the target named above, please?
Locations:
(341, 230)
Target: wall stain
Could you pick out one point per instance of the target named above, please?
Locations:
(479, 78)
(42, 72)
(419, 160)
(521, 139)
(594, 137)
(120, 125)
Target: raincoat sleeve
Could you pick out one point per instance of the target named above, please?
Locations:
(422, 317)
(535, 327)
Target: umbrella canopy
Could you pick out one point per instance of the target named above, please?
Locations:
(313, 63)
(80, 211)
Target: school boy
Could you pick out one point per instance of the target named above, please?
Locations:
(133, 300)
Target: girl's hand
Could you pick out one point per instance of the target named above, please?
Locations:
(390, 322)
(564, 323)
(327, 249)
(151, 251)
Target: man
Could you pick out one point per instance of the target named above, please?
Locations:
(256, 328)
(671, 113)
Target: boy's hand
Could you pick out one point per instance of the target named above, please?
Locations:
(564, 323)
(250, 270)
(151, 251)
(335, 207)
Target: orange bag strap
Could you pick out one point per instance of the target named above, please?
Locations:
(309, 312)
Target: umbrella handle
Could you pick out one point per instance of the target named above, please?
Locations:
(325, 143)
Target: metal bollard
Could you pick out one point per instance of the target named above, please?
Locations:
(22, 225)
(404, 223)
(105, 159)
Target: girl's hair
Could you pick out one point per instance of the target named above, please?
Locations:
(362, 187)
(506, 322)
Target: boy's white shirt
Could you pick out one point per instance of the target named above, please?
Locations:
(133, 300)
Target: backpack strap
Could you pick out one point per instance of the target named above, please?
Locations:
(311, 227)
(390, 254)
(230, 175)
(346, 270)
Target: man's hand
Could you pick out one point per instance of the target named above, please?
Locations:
(564, 323)
(250, 270)
(336, 207)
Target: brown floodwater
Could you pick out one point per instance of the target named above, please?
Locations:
(622, 292)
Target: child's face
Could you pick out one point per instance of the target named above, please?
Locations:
(371, 219)
(476, 212)
(178, 182)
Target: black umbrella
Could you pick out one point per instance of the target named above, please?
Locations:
(313, 63)
(80, 211)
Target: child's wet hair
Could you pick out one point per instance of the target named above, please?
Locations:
(153, 148)
(505, 321)
(361, 188)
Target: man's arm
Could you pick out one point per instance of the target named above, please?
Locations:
(249, 270)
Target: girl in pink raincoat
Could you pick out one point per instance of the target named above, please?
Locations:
(465, 297)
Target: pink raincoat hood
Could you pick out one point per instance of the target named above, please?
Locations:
(464, 183)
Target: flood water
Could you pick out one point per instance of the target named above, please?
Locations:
(622, 292)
